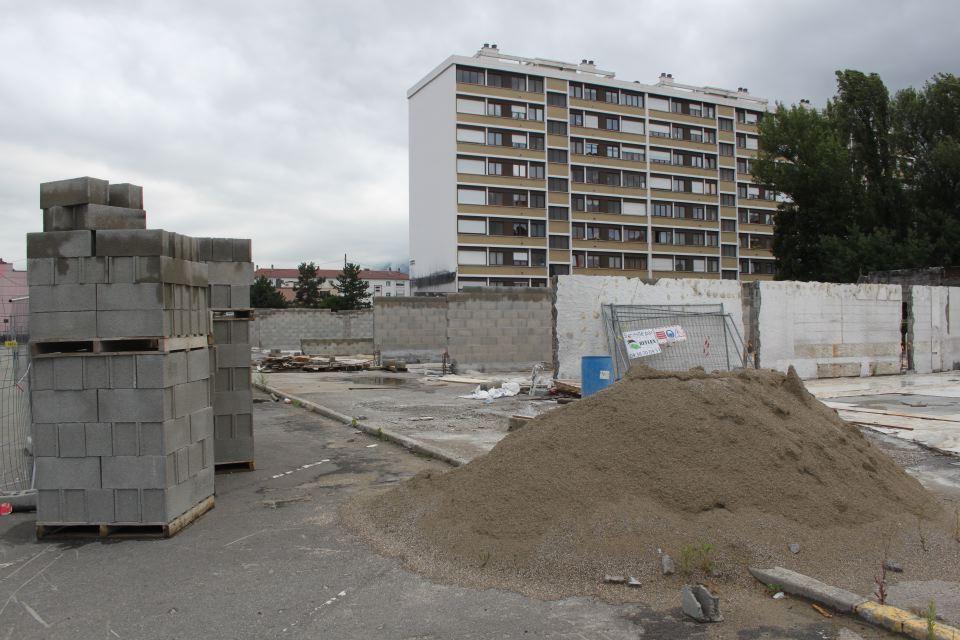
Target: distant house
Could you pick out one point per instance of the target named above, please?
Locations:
(13, 284)
(381, 283)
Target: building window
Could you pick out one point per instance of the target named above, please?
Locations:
(536, 171)
(728, 250)
(467, 75)
(536, 141)
(472, 225)
(538, 200)
(557, 155)
(534, 84)
(559, 213)
(535, 112)
(663, 209)
(557, 184)
(725, 124)
(556, 99)
(557, 127)
(559, 242)
(538, 229)
(728, 225)
(631, 99)
(634, 180)
(726, 150)
(635, 234)
(727, 175)
(728, 200)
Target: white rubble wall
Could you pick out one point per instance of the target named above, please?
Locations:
(579, 320)
(934, 335)
(830, 330)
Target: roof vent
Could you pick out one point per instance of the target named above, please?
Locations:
(584, 61)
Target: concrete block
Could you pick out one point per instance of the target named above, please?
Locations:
(125, 195)
(133, 242)
(233, 450)
(176, 434)
(239, 296)
(123, 372)
(240, 378)
(63, 297)
(233, 273)
(93, 217)
(41, 374)
(153, 506)
(83, 190)
(40, 271)
(221, 331)
(99, 438)
(225, 402)
(180, 465)
(68, 373)
(242, 250)
(205, 249)
(195, 458)
(134, 405)
(100, 508)
(60, 244)
(96, 372)
(127, 505)
(798, 584)
(132, 323)
(46, 440)
(63, 325)
(118, 297)
(126, 439)
(230, 356)
(68, 473)
(223, 427)
(122, 269)
(162, 370)
(134, 472)
(185, 495)
(220, 297)
(64, 406)
(190, 397)
(198, 364)
(72, 440)
(221, 250)
(48, 506)
(74, 505)
(201, 424)
(243, 425)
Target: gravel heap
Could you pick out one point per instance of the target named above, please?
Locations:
(721, 471)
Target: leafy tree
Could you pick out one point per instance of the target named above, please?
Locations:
(353, 291)
(307, 289)
(873, 182)
(264, 295)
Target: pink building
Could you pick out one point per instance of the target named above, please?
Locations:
(13, 284)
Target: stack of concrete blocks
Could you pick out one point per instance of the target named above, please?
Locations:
(230, 272)
(121, 385)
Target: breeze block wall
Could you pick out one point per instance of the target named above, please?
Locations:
(285, 328)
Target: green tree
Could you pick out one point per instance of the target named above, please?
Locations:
(872, 182)
(263, 295)
(353, 292)
(307, 289)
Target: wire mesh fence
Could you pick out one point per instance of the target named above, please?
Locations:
(16, 463)
(673, 337)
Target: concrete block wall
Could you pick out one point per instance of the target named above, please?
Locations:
(579, 322)
(933, 329)
(410, 327)
(830, 330)
(285, 328)
(230, 274)
(500, 328)
(121, 436)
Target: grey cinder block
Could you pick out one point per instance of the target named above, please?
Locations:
(41, 374)
(74, 505)
(100, 506)
(184, 496)
(205, 249)
(230, 356)
(239, 273)
(59, 244)
(134, 405)
(231, 401)
(198, 364)
(190, 397)
(134, 472)
(48, 506)
(119, 297)
(63, 297)
(83, 190)
(153, 506)
(127, 505)
(64, 406)
(220, 296)
(132, 323)
(46, 440)
(68, 473)
(96, 371)
(39, 271)
(72, 440)
(126, 195)
(93, 217)
(239, 296)
(242, 250)
(126, 439)
(99, 438)
(157, 371)
(221, 250)
(133, 242)
(201, 424)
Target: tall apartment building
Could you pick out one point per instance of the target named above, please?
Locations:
(524, 168)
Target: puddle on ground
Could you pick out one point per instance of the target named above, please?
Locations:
(380, 381)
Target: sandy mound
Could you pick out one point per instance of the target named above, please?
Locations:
(719, 470)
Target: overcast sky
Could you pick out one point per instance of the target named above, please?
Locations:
(286, 121)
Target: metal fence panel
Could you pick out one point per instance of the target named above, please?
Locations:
(712, 339)
(16, 463)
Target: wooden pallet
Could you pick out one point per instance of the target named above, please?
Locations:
(120, 531)
(232, 314)
(117, 345)
(235, 467)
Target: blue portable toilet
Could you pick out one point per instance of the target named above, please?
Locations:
(596, 373)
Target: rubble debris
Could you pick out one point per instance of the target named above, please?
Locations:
(667, 567)
(506, 390)
(890, 565)
(280, 362)
(614, 579)
(633, 582)
(701, 605)
(794, 547)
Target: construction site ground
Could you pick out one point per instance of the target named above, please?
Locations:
(272, 560)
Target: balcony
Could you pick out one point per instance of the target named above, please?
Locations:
(729, 237)
(679, 169)
(604, 161)
(558, 226)
(726, 136)
(674, 143)
(558, 142)
(754, 277)
(668, 194)
(499, 92)
(608, 107)
(511, 241)
(728, 187)
(757, 203)
(728, 212)
(507, 181)
(597, 271)
(682, 117)
(501, 270)
(686, 223)
(743, 127)
(501, 122)
(753, 227)
(727, 162)
(606, 189)
(559, 255)
(686, 248)
(561, 198)
(755, 253)
(743, 152)
(729, 263)
(499, 210)
(498, 150)
(699, 275)
(609, 135)
(557, 113)
(557, 170)
(555, 84)
(596, 216)
(610, 245)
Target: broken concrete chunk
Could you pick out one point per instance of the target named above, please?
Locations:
(701, 605)
(633, 582)
(614, 579)
(794, 547)
(890, 565)
(667, 567)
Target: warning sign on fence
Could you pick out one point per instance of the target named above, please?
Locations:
(640, 343)
(671, 334)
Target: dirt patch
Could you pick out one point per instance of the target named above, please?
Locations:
(722, 471)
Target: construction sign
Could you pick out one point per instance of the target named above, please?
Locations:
(669, 335)
(640, 343)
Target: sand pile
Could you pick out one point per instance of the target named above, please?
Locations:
(723, 470)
